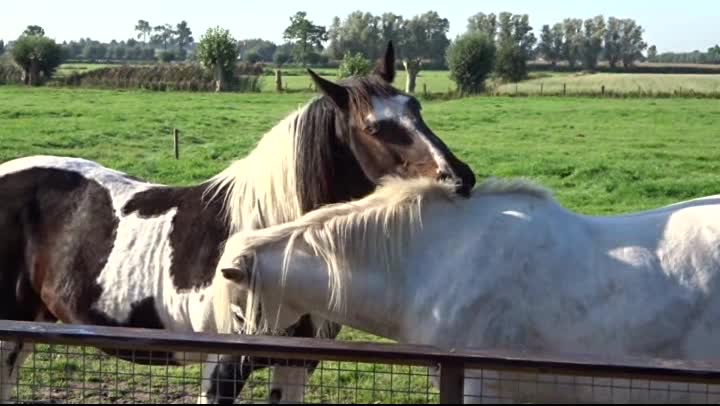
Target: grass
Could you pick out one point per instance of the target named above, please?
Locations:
(68, 69)
(615, 82)
(297, 80)
(434, 81)
(599, 156)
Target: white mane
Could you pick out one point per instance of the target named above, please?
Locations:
(263, 183)
(374, 228)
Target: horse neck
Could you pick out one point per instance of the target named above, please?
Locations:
(369, 300)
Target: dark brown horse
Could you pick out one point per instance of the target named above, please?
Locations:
(81, 243)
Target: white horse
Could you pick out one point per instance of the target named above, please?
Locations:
(509, 268)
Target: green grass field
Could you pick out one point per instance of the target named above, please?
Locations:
(600, 156)
(70, 68)
(434, 81)
(297, 80)
(615, 82)
(552, 83)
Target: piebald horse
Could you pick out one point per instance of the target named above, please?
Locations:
(509, 268)
(82, 243)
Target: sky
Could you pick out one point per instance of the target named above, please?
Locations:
(671, 25)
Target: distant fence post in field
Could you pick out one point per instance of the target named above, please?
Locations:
(541, 89)
(602, 90)
(564, 89)
(425, 89)
(176, 142)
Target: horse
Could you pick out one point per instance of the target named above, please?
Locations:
(83, 243)
(509, 268)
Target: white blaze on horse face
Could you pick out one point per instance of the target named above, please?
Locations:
(396, 109)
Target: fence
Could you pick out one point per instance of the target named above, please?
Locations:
(65, 367)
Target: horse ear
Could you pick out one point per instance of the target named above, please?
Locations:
(386, 66)
(338, 94)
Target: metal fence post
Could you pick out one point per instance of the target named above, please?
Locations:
(452, 383)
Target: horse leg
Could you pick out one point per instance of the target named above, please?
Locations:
(288, 381)
(13, 356)
(223, 378)
(287, 384)
(18, 301)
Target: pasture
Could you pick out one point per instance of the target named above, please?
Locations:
(552, 83)
(600, 156)
(619, 83)
(547, 83)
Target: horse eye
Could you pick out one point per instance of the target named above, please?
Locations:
(373, 128)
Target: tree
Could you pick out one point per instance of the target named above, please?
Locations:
(631, 42)
(353, 65)
(558, 40)
(471, 59)
(358, 33)
(2, 47)
(713, 54)
(652, 54)
(546, 48)
(183, 35)
(281, 58)
(552, 43)
(252, 57)
(36, 55)
(515, 43)
(164, 35)
(572, 49)
(34, 30)
(485, 23)
(592, 45)
(424, 37)
(218, 52)
(94, 51)
(144, 30)
(511, 64)
(264, 49)
(305, 35)
(612, 41)
(166, 56)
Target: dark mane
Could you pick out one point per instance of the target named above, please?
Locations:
(323, 144)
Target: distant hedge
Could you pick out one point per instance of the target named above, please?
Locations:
(166, 77)
(10, 74)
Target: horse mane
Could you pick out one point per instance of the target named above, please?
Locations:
(304, 149)
(375, 228)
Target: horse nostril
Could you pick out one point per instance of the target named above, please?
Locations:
(275, 396)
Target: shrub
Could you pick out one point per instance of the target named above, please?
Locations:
(353, 65)
(471, 59)
(511, 64)
(186, 76)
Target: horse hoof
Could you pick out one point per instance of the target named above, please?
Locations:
(275, 396)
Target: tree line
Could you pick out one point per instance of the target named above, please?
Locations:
(587, 42)
(712, 56)
(421, 42)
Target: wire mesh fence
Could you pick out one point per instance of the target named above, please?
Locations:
(78, 374)
(62, 364)
(509, 387)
